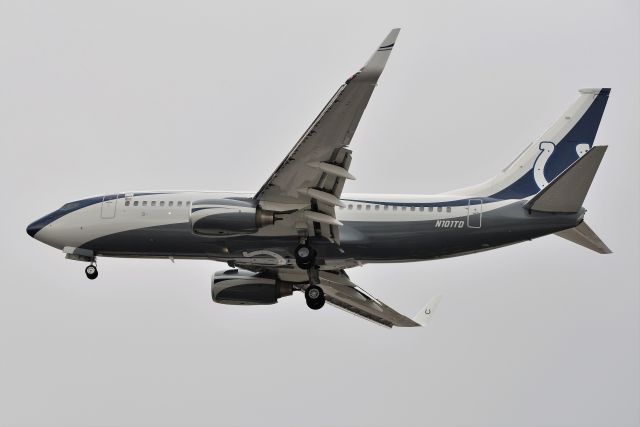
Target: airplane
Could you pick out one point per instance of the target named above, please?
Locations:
(299, 232)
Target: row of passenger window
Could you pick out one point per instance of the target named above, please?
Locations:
(358, 206)
(395, 208)
(153, 203)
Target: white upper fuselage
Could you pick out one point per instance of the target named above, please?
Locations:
(136, 210)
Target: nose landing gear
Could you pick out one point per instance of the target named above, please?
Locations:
(91, 271)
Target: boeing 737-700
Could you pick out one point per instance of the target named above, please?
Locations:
(300, 232)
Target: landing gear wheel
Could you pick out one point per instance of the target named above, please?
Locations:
(305, 256)
(315, 297)
(91, 271)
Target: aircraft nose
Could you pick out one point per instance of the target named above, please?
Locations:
(33, 228)
(39, 224)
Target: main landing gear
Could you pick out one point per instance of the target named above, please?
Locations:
(91, 271)
(305, 256)
(314, 296)
(306, 260)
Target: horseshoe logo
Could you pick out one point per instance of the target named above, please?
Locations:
(279, 259)
(582, 149)
(546, 150)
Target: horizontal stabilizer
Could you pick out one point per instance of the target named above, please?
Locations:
(567, 192)
(583, 235)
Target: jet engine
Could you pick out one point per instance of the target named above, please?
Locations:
(241, 287)
(226, 217)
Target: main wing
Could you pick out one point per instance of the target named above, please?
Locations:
(312, 175)
(340, 292)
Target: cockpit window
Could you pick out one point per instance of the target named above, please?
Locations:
(78, 204)
(71, 206)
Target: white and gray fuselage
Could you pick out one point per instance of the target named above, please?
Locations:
(376, 228)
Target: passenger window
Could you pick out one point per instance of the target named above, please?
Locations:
(162, 203)
(439, 208)
(368, 207)
(421, 208)
(153, 203)
(188, 203)
(386, 207)
(170, 204)
(144, 203)
(179, 203)
(395, 208)
(127, 203)
(413, 208)
(404, 208)
(448, 208)
(350, 206)
(135, 203)
(359, 207)
(430, 208)
(377, 207)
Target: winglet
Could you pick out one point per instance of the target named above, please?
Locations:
(374, 66)
(426, 314)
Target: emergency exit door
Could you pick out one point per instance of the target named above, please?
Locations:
(109, 203)
(474, 216)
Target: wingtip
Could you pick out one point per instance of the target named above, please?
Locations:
(390, 40)
(595, 91)
(426, 314)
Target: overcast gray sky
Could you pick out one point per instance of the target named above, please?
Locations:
(134, 95)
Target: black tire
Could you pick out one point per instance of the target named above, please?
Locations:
(315, 297)
(305, 256)
(91, 271)
(316, 304)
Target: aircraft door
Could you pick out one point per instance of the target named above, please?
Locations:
(474, 216)
(109, 203)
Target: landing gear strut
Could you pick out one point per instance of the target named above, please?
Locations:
(91, 271)
(306, 260)
(314, 293)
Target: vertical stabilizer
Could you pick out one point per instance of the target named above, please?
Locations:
(567, 140)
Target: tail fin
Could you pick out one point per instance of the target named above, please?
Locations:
(570, 137)
(583, 235)
(567, 192)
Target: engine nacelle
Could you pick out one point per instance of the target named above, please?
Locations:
(226, 217)
(240, 287)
